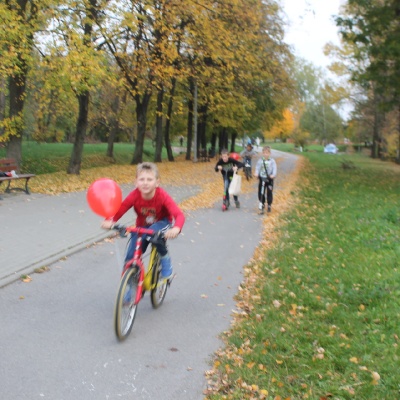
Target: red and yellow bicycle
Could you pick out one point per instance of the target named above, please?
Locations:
(137, 279)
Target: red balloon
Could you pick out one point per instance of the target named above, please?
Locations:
(104, 197)
(236, 156)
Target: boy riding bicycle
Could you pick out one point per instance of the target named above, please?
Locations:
(227, 166)
(247, 154)
(155, 209)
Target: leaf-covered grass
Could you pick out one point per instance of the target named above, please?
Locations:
(318, 312)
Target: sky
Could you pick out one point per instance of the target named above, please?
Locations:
(310, 27)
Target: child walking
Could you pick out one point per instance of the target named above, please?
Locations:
(155, 209)
(266, 171)
(227, 166)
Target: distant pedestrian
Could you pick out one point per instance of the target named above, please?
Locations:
(258, 141)
(266, 171)
(181, 140)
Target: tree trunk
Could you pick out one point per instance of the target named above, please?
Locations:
(159, 126)
(376, 138)
(168, 122)
(17, 81)
(234, 136)
(202, 139)
(91, 10)
(2, 103)
(190, 120)
(80, 134)
(114, 127)
(17, 86)
(398, 139)
(141, 114)
(223, 139)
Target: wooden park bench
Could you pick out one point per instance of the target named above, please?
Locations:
(8, 165)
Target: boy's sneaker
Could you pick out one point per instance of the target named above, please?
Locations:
(261, 208)
(169, 277)
(269, 208)
(237, 203)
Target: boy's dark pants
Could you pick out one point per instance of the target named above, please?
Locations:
(268, 188)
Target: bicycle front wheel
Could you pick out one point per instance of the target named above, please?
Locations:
(159, 285)
(125, 307)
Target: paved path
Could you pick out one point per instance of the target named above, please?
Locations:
(56, 335)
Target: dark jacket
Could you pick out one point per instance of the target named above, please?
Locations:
(227, 170)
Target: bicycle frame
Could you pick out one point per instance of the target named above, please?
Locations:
(135, 280)
(138, 261)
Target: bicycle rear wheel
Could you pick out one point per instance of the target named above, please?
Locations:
(125, 307)
(159, 285)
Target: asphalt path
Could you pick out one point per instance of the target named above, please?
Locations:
(56, 334)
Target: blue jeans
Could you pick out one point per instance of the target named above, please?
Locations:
(161, 245)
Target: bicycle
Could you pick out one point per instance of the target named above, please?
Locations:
(136, 280)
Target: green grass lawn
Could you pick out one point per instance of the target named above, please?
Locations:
(324, 320)
(44, 158)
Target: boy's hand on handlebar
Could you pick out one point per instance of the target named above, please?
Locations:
(220, 167)
(172, 233)
(107, 224)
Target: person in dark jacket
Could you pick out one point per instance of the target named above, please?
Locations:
(228, 166)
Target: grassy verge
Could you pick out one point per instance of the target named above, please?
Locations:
(318, 317)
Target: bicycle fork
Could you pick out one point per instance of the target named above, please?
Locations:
(136, 261)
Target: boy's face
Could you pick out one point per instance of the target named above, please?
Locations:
(266, 153)
(224, 157)
(147, 183)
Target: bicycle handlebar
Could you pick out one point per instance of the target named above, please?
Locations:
(123, 230)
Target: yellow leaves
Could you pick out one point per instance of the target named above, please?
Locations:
(277, 303)
(293, 309)
(374, 375)
(375, 378)
(354, 360)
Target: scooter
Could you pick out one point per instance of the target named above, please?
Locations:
(225, 198)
